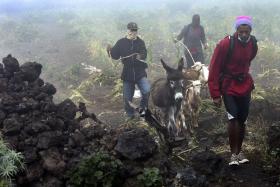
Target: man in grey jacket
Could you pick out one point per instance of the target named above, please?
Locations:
(131, 50)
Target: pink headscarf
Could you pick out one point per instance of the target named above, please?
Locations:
(240, 20)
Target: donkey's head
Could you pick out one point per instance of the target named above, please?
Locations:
(175, 79)
(203, 71)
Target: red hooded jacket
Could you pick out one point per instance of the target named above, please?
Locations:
(238, 64)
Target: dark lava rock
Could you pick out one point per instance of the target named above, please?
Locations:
(30, 155)
(1, 69)
(11, 64)
(52, 161)
(3, 84)
(11, 127)
(30, 71)
(50, 138)
(48, 89)
(188, 177)
(36, 127)
(2, 116)
(207, 163)
(136, 144)
(273, 137)
(67, 109)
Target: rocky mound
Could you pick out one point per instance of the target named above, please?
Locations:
(53, 137)
(47, 134)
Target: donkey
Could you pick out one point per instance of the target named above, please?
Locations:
(190, 74)
(203, 71)
(194, 79)
(192, 103)
(203, 77)
(167, 94)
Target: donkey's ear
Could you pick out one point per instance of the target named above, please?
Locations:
(181, 64)
(165, 66)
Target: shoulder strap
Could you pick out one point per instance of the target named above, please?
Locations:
(229, 53)
(230, 49)
(231, 46)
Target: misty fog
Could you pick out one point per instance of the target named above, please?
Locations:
(63, 34)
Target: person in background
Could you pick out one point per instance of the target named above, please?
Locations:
(193, 38)
(229, 79)
(131, 50)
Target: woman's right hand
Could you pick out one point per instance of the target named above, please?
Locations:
(217, 102)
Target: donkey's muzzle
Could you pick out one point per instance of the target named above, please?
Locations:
(178, 96)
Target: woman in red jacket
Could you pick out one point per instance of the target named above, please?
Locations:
(229, 79)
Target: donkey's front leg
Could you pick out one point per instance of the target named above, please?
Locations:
(180, 123)
(195, 118)
(180, 120)
(171, 123)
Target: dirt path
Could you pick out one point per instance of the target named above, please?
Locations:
(212, 133)
(107, 109)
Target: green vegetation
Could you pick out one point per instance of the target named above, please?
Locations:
(208, 107)
(10, 163)
(150, 177)
(99, 169)
(271, 94)
(117, 91)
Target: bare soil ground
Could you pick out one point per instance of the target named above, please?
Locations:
(214, 136)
